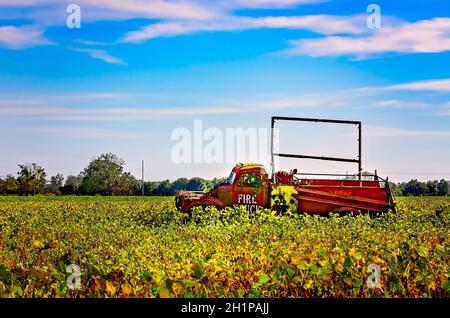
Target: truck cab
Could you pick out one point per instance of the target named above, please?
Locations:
(247, 185)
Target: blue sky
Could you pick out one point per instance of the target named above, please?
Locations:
(137, 70)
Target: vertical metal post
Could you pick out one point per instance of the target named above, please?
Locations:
(359, 153)
(143, 190)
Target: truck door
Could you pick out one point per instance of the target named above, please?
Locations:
(249, 192)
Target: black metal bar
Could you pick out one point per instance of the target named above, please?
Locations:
(340, 175)
(314, 157)
(327, 174)
(359, 151)
(316, 120)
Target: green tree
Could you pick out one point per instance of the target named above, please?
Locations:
(395, 188)
(432, 187)
(31, 179)
(150, 188)
(104, 175)
(443, 187)
(100, 174)
(124, 184)
(2, 187)
(11, 185)
(196, 184)
(56, 183)
(180, 184)
(414, 187)
(165, 188)
(72, 184)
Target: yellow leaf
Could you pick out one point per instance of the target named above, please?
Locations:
(37, 244)
(295, 259)
(339, 268)
(126, 289)
(352, 252)
(308, 284)
(110, 289)
(164, 292)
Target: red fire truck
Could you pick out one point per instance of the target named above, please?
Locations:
(251, 186)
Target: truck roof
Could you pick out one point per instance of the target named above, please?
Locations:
(251, 166)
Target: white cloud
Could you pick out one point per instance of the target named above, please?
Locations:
(78, 133)
(13, 100)
(433, 85)
(94, 10)
(108, 114)
(323, 24)
(425, 36)
(101, 55)
(378, 131)
(440, 85)
(395, 103)
(66, 106)
(13, 37)
(275, 3)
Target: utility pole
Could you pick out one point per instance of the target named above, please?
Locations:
(143, 178)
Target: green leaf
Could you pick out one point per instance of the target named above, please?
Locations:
(393, 266)
(198, 271)
(297, 279)
(322, 252)
(17, 291)
(302, 266)
(147, 275)
(358, 282)
(5, 275)
(446, 286)
(290, 272)
(422, 251)
(264, 279)
(256, 293)
(348, 263)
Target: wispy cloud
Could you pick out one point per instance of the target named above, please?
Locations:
(425, 36)
(27, 100)
(13, 37)
(440, 85)
(91, 133)
(94, 10)
(74, 106)
(395, 103)
(108, 114)
(378, 131)
(322, 24)
(102, 55)
(275, 3)
(181, 17)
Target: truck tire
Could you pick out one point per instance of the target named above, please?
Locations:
(346, 210)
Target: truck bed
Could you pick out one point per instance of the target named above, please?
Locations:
(322, 196)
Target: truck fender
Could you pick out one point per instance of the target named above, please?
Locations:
(204, 202)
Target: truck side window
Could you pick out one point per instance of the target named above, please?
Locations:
(249, 180)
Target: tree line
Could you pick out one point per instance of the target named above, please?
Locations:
(105, 176)
(418, 188)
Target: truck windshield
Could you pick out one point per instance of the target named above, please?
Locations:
(231, 177)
